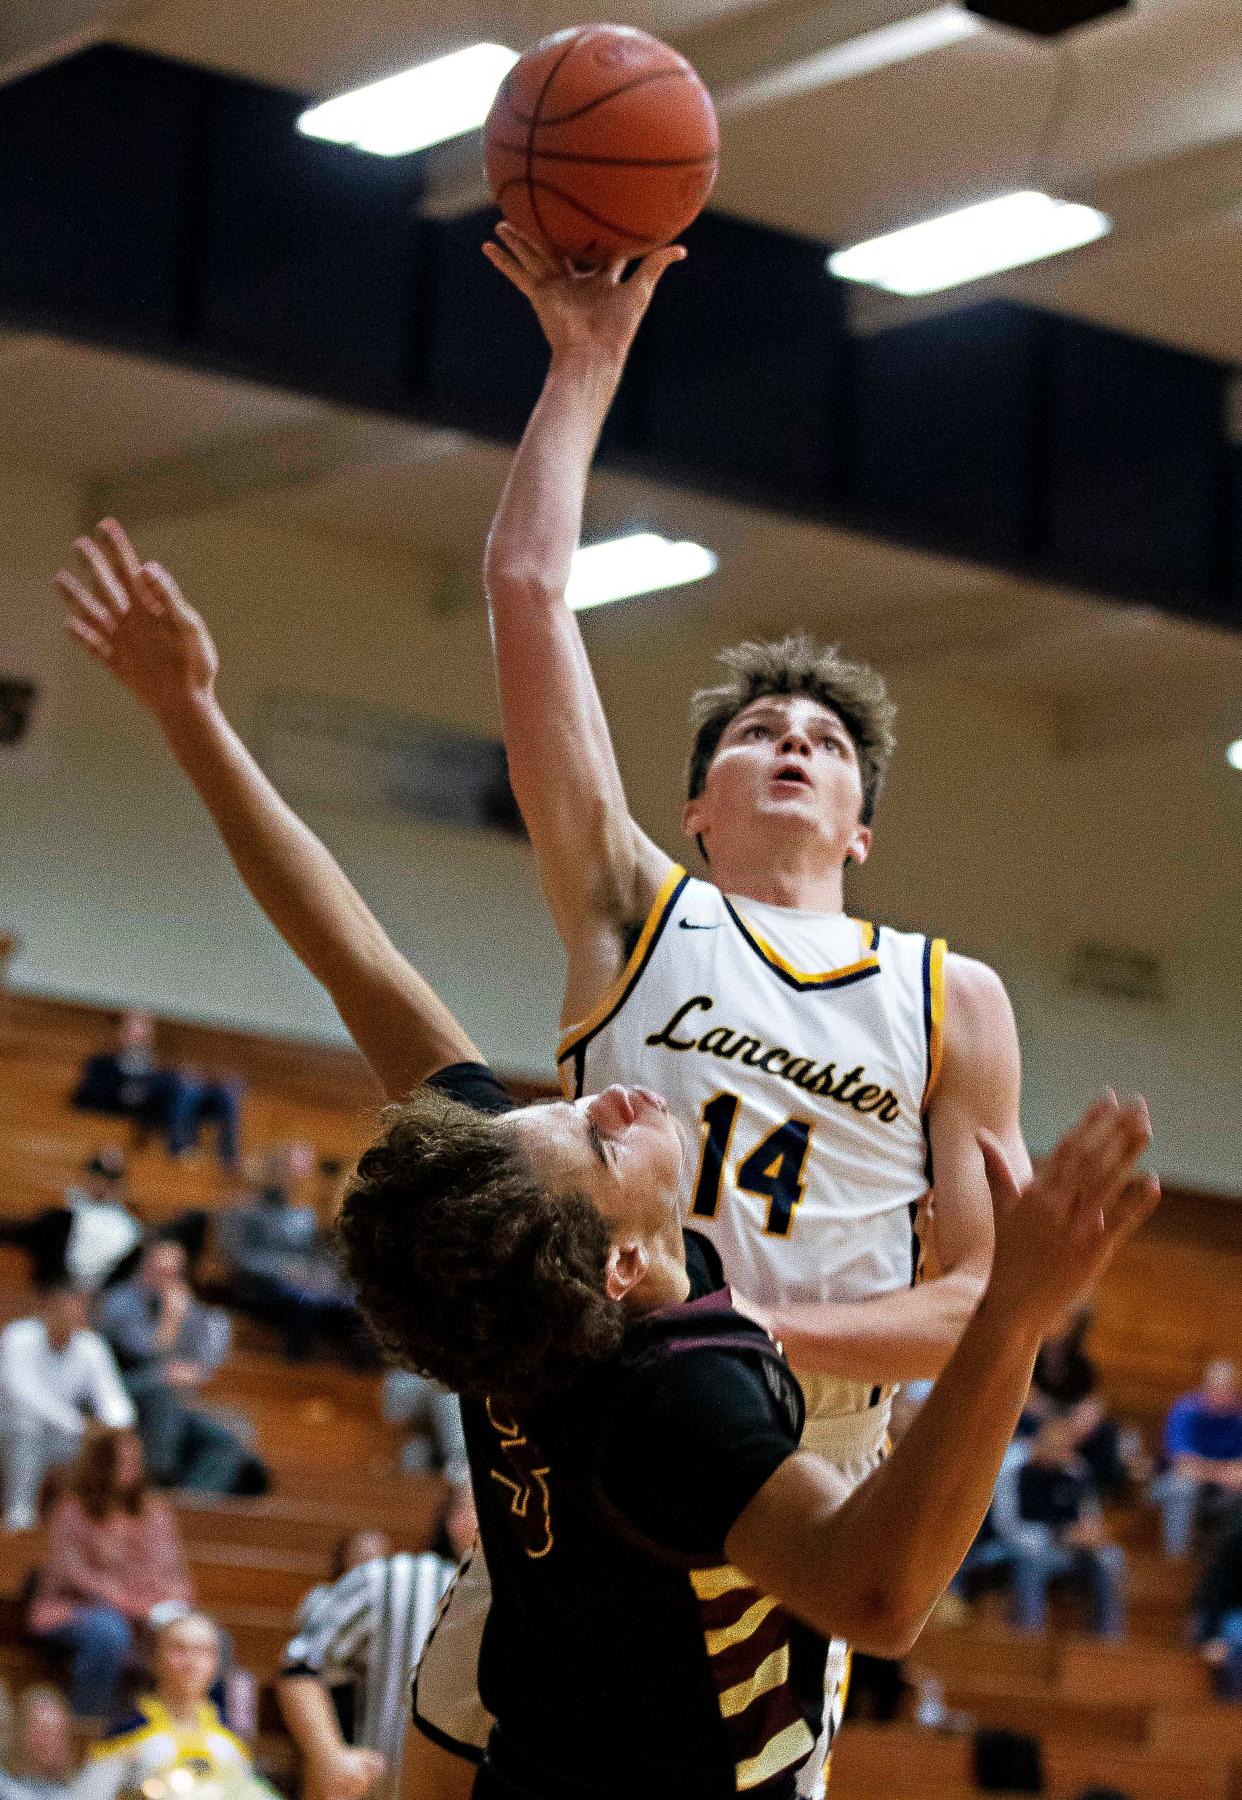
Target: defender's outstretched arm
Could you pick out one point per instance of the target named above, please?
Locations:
(598, 869)
(871, 1568)
(132, 617)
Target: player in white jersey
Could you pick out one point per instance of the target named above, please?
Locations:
(823, 1064)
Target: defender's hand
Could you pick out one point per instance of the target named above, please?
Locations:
(1056, 1236)
(597, 312)
(132, 617)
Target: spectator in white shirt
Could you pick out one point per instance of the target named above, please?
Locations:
(55, 1378)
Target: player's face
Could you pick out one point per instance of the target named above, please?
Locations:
(785, 760)
(622, 1149)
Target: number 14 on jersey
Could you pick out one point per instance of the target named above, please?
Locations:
(772, 1169)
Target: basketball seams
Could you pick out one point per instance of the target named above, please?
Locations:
(550, 187)
(589, 106)
(552, 74)
(608, 162)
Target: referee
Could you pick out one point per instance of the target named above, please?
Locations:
(344, 1685)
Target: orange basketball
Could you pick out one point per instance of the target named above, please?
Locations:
(602, 142)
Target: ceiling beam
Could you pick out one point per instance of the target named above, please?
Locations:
(34, 33)
(230, 470)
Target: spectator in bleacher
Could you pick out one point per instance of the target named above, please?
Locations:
(169, 1345)
(1046, 1519)
(38, 1760)
(1217, 1622)
(1203, 1451)
(176, 1728)
(114, 1564)
(128, 1082)
(56, 1376)
(1065, 1388)
(344, 1686)
(279, 1262)
(90, 1237)
(436, 1443)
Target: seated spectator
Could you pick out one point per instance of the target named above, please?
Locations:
(174, 1728)
(114, 1563)
(279, 1263)
(55, 1377)
(1203, 1449)
(1217, 1622)
(436, 1444)
(1064, 1387)
(128, 1082)
(345, 1676)
(168, 1345)
(38, 1761)
(1046, 1520)
(91, 1237)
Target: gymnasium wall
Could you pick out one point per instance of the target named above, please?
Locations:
(120, 893)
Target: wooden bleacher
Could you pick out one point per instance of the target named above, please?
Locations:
(1138, 1715)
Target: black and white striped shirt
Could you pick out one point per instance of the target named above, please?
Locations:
(366, 1632)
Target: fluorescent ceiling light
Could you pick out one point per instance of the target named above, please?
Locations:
(879, 49)
(1233, 755)
(421, 106)
(976, 240)
(641, 563)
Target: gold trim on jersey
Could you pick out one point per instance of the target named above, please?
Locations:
(726, 1636)
(772, 1672)
(598, 1015)
(711, 1584)
(792, 1745)
(868, 937)
(935, 1021)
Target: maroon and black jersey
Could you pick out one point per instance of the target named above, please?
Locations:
(623, 1655)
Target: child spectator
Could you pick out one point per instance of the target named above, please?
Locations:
(175, 1728)
(39, 1759)
(55, 1377)
(1203, 1447)
(114, 1563)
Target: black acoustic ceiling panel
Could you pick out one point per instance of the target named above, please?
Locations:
(1135, 489)
(309, 253)
(943, 439)
(739, 372)
(95, 157)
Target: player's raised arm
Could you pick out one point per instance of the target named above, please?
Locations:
(911, 1333)
(872, 1568)
(597, 866)
(132, 617)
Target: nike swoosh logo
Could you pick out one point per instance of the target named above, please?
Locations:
(689, 925)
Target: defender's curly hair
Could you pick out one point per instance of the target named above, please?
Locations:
(798, 665)
(467, 1268)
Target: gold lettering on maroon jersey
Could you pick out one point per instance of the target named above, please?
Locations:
(530, 1504)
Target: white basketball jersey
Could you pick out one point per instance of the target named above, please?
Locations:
(799, 1050)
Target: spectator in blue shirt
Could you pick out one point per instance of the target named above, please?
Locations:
(1203, 1448)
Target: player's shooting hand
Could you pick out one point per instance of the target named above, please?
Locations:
(1055, 1236)
(132, 617)
(598, 313)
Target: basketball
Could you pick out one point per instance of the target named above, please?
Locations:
(602, 142)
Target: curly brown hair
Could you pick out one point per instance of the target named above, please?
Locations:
(467, 1268)
(94, 1475)
(798, 665)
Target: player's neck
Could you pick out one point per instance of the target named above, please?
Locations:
(666, 1282)
(803, 886)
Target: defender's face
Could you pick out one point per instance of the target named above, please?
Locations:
(785, 757)
(622, 1149)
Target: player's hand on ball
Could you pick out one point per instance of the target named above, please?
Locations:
(132, 617)
(596, 312)
(1055, 1236)
(349, 1775)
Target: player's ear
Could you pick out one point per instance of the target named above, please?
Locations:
(694, 816)
(625, 1268)
(860, 846)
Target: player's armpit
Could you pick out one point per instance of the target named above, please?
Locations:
(786, 1543)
